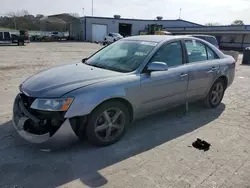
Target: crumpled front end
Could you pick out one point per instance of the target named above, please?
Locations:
(38, 126)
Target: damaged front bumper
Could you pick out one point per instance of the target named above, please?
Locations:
(39, 130)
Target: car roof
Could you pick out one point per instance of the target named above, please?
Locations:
(202, 36)
(155, 38)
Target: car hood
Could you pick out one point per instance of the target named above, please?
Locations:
(57, 81)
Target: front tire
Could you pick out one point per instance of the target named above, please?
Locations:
(215, 94)
(107, 124)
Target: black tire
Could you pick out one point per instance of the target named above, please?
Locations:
(209, 99)
(95, 116)
(78, 125)
(20, 43)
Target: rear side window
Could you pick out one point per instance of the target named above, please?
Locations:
(6, 35)
(1, 35)
(196, 51)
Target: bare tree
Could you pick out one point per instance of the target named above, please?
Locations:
(39, 16)
(24, 13)
(13, 16)
(76, 15)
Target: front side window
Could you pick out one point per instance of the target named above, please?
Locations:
(1, 35)
(170, 53)
(196, 51)
(122, 56)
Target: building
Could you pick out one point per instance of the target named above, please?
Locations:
(229, 37)
(96, 28)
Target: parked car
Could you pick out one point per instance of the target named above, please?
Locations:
(112, 37)
(208, 38)
(7, 38)
(124, 81)
(57, 35)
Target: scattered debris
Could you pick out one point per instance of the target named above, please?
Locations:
(201, 144)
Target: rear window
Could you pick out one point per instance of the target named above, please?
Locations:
(212, 40)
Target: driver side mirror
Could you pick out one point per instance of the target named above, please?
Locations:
(157, 66)
(84, 60)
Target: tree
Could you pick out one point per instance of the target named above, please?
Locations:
(238, 22)
(39, 16)
(76, 15)
(12, 15)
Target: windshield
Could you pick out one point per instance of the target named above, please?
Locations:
(122, 56)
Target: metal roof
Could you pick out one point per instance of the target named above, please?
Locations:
(112, 18)
(59, 18)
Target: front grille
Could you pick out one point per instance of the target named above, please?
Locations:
(27, 100)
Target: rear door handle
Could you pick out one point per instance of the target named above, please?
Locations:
(213, 69)
(183, 75)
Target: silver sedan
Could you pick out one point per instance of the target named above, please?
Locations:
(126, 80)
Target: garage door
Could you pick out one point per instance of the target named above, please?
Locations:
(98, 32)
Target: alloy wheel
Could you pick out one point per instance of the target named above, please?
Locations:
(217, 93)
(110, 124)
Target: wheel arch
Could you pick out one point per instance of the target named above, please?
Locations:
(225, 80)
(121, 100)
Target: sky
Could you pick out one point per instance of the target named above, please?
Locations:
(198, 11)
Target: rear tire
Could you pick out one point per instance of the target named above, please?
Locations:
(107, 123)
(215, 94)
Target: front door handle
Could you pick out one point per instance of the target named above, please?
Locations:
(183, 75)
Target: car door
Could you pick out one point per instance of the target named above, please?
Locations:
(163, 89)
(7, 36)
(202, 68)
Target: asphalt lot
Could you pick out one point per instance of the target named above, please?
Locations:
(156, 151)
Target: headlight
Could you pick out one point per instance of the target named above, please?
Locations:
(52, 104)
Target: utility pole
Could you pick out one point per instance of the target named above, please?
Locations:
(92, 8)
(14, 19)
(180, 14)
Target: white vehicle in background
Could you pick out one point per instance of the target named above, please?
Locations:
(57, 35)
(112, 37)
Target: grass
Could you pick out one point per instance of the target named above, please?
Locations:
(5, 28)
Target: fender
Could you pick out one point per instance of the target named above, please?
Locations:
(86, 102)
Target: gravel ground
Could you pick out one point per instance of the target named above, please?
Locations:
(156, 152)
